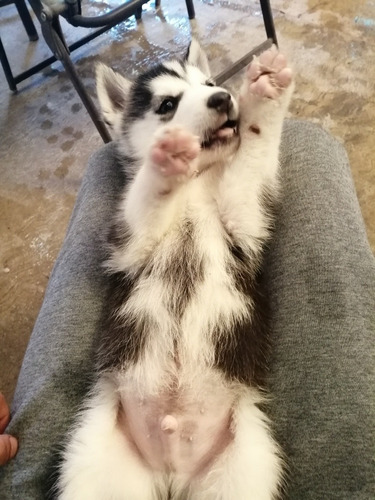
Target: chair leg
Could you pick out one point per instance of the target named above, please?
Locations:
(26, 20)
(85, 98)
(268, 20)
(138, 13)
(190, 9)
(6, 67)
(54, 38)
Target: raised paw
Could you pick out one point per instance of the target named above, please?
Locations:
(269, 74)
(174, 151)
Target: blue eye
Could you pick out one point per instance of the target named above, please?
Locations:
(168, 105)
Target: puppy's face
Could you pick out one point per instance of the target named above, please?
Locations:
(174, 93)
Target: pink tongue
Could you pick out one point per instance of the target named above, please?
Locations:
(224, 132)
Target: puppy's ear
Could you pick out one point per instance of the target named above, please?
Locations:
(197, 57)
(113, 91)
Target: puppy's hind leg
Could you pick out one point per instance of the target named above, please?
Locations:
(99, 462)
(251, 467)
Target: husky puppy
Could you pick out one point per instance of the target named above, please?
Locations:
(175, 412)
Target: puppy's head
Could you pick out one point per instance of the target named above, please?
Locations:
(175, 93)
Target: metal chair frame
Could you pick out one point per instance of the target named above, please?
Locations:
(54, 38)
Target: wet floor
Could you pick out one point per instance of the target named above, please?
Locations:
(46, 135)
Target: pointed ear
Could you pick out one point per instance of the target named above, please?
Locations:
(113, 91)
(197, 57)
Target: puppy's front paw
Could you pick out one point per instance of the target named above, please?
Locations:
(174, 151)
(269, 74)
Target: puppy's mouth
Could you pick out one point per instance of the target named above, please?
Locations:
(220, 136)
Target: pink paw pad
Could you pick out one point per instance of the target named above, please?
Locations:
(174, 150)
(269, 74)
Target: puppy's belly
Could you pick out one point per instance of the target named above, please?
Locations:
(178, 432)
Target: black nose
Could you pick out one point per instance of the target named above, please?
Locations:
(221, 101)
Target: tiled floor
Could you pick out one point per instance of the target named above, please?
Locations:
(46, 135)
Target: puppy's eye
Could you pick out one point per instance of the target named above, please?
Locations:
(209, 83)
(168, 105)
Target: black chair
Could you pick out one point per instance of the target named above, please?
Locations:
(71, 11)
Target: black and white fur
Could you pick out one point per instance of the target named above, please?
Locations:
(175, 411)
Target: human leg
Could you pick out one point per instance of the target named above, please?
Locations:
(320, 280)
(57, 365)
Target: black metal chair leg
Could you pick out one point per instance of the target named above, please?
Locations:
(268, 20)
(190, 9)
(241, 63)
(26, 20)
(6, 67)
(54, 37)
(85, 98)
(138, 13)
